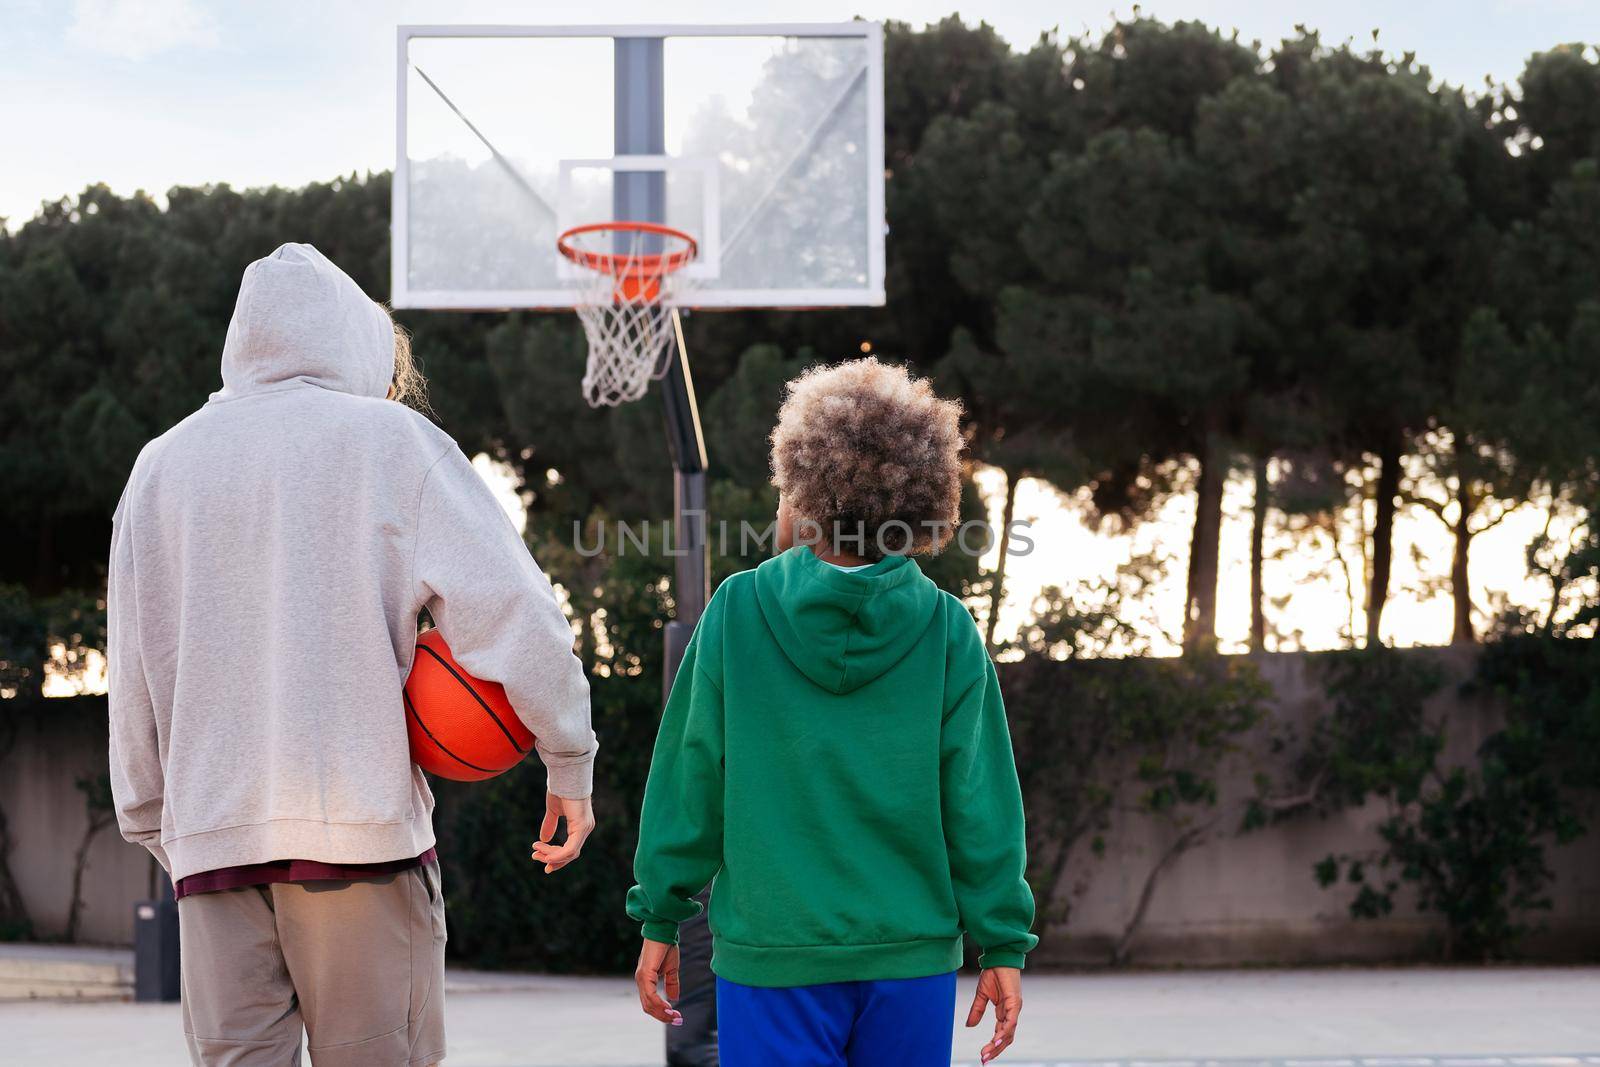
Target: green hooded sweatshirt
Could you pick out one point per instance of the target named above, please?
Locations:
(835, 755)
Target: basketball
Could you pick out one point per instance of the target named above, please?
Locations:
(461, 727)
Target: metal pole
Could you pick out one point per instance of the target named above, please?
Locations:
(640, 129)
(687, 446)
(694, 1044)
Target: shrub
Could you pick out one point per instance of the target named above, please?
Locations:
(1470, 839)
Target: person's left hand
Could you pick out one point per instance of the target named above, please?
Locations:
(1002, 987)
(657, 963)
(580, 824)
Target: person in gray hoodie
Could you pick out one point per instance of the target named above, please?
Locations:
(269, 559)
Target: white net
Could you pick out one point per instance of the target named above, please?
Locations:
(630, 281)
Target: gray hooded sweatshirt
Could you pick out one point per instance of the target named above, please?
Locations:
(268, 560)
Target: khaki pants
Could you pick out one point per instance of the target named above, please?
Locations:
(359, 965)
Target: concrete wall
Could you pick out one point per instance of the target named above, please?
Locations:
(1235, 899)
(47, 818)
(1251, 897)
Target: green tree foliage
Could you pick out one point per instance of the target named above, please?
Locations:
(1106, 331)
(1519, 401)
(1194, 250)
(1559, 106)
(1137, 258)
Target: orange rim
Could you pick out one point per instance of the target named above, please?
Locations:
(636, 268)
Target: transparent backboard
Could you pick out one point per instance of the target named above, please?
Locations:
(764, 143)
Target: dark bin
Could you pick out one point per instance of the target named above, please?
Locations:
(155, 946)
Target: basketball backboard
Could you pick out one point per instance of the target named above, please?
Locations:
(765, 143)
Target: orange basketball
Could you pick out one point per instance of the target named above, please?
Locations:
(460, 727)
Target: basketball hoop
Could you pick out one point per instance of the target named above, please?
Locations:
(624, 301)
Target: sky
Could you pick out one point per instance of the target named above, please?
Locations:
(146, 94)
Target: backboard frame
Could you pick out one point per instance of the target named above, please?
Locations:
(873, 294)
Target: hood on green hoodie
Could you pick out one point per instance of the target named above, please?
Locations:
(842, 629)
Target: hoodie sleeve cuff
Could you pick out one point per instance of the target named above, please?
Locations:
(1000, 957)
(150, 841)
(665, 933)
(572, 781)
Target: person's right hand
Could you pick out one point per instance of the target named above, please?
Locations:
(580, 824)
(658, 962)
(1002, 987)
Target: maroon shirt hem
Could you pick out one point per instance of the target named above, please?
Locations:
(282, 871)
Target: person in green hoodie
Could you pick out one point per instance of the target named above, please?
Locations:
(834, 758)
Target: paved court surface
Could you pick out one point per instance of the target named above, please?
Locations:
(1513, 1017)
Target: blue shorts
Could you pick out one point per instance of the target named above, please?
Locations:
(907, 1022)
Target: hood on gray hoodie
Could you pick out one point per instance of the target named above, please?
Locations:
(301, 318)
(842, 629)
